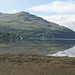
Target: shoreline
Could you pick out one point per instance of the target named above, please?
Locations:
(36, 65)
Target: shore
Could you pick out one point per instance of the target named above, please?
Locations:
(36, 65)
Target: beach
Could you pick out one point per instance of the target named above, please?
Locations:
(36, 65)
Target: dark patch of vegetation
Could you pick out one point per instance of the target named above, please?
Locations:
(7, 36)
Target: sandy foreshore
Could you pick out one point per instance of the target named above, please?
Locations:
(36, 65)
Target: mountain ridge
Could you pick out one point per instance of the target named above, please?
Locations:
(31, 25)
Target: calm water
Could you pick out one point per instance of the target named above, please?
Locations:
(39, 47)
(69, 52)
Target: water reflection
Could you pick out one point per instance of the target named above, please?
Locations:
(69, 52)
(31, 46)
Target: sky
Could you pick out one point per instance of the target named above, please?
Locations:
(61, 12)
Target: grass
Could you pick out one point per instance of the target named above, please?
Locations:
(36, 65)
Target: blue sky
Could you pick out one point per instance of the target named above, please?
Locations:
(59, 11)
(23, 5)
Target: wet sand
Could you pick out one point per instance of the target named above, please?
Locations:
(36, 65)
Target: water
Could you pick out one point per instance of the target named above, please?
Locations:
(38, 47)
(69, 52)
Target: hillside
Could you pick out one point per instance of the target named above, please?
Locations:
(30, 25)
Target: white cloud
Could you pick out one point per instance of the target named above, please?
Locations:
(63, 20)
(64, 9)
(57, 6)
(14, 11)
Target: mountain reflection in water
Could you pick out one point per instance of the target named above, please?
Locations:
(69, 52)
(31, 46)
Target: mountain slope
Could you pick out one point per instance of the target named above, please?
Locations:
(32, 26)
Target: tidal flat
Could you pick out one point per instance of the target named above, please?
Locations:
(36, 65)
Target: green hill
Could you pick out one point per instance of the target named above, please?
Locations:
(30, 25)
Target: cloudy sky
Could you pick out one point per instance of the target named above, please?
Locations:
(59, 11)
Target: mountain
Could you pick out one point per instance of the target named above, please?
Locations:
(29, 25)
